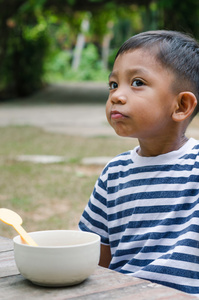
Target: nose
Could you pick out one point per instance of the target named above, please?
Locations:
(118, 96)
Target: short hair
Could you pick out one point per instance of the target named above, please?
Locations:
(176, 51)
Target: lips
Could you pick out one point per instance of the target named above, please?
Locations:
(117, 115)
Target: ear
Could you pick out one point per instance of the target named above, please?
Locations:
(186, 103)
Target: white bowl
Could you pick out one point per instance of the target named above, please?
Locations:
(63, 257)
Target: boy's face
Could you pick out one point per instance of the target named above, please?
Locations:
(141, 100)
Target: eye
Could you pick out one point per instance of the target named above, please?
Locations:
(137, 82)
(113, 85)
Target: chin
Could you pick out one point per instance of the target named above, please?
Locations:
(119, 130)
(122, 134)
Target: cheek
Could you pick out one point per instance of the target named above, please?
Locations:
(145, 115)
(108, 110)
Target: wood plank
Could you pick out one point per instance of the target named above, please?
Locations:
(6, 244)
(7, 264)
(103, 284)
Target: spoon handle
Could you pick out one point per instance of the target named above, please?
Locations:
(25, 237)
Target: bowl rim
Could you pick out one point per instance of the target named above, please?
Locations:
(17, 239)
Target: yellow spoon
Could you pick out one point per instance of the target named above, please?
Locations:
(12, 218)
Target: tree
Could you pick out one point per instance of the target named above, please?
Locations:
(179, 15)
(25, 38)
(23, 47)
(30, 29)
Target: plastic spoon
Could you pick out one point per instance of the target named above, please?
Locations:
(12, 218)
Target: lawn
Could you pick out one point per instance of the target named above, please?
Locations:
(50, 196)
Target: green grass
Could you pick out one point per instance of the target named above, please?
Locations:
(49, 196)
(52, 196)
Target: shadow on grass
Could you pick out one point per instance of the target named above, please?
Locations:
(66, 93)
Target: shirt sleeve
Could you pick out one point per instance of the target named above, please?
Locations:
(94, 217)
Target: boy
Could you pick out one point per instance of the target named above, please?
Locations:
(145, 204)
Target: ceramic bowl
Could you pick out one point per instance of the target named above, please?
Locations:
(63, 257)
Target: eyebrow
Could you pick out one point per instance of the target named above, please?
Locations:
(131, 72)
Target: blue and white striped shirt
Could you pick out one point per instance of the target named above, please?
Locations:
(147, 210)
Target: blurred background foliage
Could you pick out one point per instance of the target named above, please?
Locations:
(45, 41)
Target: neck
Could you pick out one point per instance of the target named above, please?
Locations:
(151, 148)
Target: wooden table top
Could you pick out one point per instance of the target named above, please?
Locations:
(103, 284)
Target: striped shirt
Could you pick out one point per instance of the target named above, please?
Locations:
(147, 210)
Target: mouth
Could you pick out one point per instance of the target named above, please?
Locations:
(117, 115)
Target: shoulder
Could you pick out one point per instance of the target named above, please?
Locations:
(122, 159)
(191, 150)
(117, 166)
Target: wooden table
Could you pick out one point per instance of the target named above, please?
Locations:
(103, 284)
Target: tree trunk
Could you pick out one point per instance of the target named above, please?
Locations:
(80, 45)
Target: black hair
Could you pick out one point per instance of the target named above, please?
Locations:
(177, 51)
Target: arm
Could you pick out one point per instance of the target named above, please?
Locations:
(105, 256)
